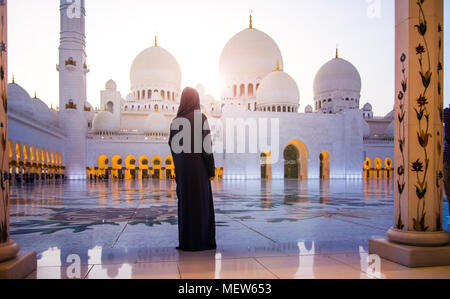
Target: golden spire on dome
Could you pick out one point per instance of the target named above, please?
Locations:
(13, 82)
(251, 19)
(337, 51)
(156, 40)
(278, 69)
(35, 97)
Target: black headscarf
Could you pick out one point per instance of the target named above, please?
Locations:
(190, 101)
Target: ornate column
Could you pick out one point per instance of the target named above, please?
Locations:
(12, 265)
(419, 113)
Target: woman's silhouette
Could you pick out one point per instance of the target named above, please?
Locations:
(194, 169)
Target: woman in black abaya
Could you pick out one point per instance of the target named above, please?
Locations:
(194, 171)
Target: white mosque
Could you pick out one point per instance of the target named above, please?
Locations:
(127, 138)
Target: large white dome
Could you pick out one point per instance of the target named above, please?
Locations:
(337, 75)
(278, 88)
(155, 67)
(18, 99)
(250, 54)
(104, 123)
(156, 123)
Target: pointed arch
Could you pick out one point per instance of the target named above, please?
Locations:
(47, 158)
(324, 165)
(32, 154)
(38, 155)
(103, 162)
(25, 153)
(157, 167)
(378, 164)
(266, 165)
(242, 90)
(103, 168)
(367, 168)
(296, 160)
(18, 150)
(144, 168)
(10, 151)
(250, 90)
(388, 170)
(43, 156)
(130, 168)
(117, 167)
(170, 167)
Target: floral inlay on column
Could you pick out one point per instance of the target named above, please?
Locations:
(421, 166)
(440, 135)
(401, 183)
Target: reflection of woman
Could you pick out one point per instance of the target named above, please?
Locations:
(193, 172)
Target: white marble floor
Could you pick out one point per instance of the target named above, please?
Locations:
(278, 229)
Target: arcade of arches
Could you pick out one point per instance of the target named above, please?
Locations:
(31, 163)
(296, 164)
(378, 169)
(132, 168)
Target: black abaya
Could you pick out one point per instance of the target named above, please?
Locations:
(196, 221)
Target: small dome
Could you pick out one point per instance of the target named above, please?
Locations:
(366, 129)
(18, 99)
(278, 88)
(367, 107)
(155, 66)
(337, 74)
(249, 54)
(105, 122)
(156, 123)
(390, 131)
(309, 109)
(41, 112)
(89, 114)
(390, 115)
(111, 85)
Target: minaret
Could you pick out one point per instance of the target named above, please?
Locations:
(72, 86)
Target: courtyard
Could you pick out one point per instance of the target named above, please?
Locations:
(265, 229)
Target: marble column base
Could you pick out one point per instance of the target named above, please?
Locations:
(20, 267)
(410, 256)
(418, 238)
(8, 250)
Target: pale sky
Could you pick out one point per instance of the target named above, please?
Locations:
(196, 31)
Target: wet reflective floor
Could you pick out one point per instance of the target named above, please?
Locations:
(265, 229)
